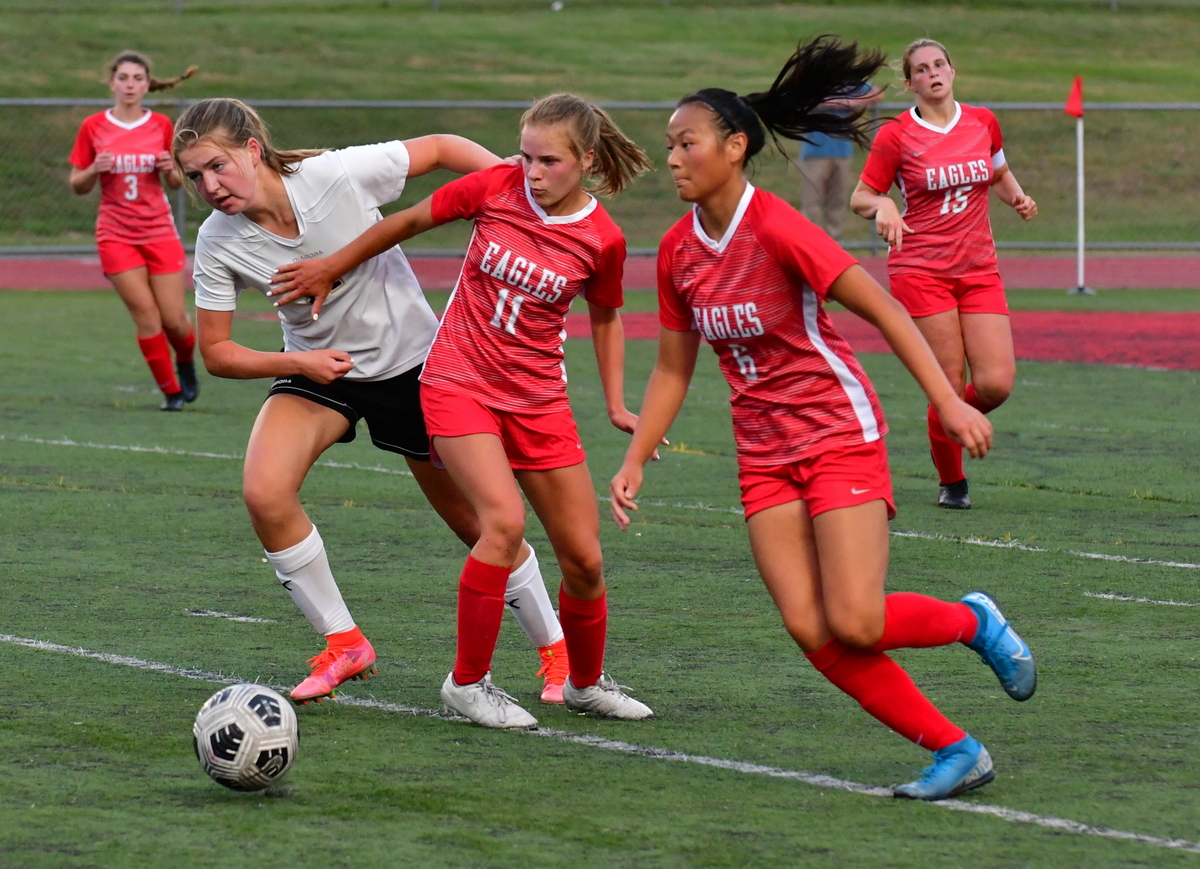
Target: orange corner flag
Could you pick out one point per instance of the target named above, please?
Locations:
(1074, 106)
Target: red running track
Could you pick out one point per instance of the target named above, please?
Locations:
(1019, 273)
(1099, 337)
(1111, 338)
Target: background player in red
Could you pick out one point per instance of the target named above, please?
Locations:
(944, 157)
(360, 361)
(128, 149)
(748, 273)
(494, 386)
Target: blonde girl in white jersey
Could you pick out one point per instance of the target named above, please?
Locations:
(359, 360)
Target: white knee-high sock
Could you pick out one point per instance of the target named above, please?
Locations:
(527, 598)
(304, 571)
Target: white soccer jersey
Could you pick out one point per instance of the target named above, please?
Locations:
(378, 314)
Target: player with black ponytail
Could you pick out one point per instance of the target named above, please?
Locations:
(749, 273)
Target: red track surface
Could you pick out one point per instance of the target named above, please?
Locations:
(1019, 273)
(1110, 338)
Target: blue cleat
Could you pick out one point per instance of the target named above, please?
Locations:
(1001, 649)
(958, 767)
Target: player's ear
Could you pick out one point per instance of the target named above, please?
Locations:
(255, 150)
(735, 147)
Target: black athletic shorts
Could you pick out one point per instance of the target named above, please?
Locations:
(392, 408)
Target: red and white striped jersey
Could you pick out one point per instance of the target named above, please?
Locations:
(756, 296)
(944, 174)
(501, 338)
(133, 204)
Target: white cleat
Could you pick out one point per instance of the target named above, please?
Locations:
(605, 699)
(485, 704)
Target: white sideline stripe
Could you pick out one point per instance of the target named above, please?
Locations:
(973, 541)
(822, 781)
(67, 442)
(1138, 599)
(213, 614)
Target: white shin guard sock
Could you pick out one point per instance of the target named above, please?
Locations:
(304, 571)
(527, 598)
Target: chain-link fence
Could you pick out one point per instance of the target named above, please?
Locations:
(1142, 168)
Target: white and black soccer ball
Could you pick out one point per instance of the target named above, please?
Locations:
(246, 737)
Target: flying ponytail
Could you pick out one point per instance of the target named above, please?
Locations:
(144, 62)
(820, 70)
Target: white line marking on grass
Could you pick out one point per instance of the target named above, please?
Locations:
(67, 442)
(1138, 599)
(1023, 547)
(213, 614)
(821, 781)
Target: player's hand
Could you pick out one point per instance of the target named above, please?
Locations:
(103, 162)
(967, 426)
(1025, 206)
(626, 421)
(309, 277)
(324, 366)
(164, 162)
(514, 160)
(890, 225)
(621, 492)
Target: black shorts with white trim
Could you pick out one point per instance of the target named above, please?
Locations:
(391, 407)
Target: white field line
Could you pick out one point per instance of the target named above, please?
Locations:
(710, 508)
(821, 781)
(67, 442)
(213, 614)
(1123, 597)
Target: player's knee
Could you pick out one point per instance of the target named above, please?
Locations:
(263, 499)
(506, 527)
(992, 394)
(586, 566)
(858, 631)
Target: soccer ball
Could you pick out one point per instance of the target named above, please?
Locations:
(245, 737)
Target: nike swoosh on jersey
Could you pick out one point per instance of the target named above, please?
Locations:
(854, 491)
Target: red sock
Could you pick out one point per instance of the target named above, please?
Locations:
(585, 627)
(884, 690)
(185, 347)
(158, 356)
(947, 455)
(345, 639)
(480, 611)
(915, 621)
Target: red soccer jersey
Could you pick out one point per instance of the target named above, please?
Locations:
(501, 338)
(756, 297)
(944, 175)
(133, 204)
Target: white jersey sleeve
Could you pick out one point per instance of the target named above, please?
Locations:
(217, 288)
(377, 172)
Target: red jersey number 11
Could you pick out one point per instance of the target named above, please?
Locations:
(510, 325)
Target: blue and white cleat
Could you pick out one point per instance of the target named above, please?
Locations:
(1001, 649)
(958, 767)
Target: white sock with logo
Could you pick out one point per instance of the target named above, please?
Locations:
(304, 571)
(527, 598)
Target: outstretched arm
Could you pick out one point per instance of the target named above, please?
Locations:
(316, 277)
(664, 396)
(858, 291)
(444, 151)
(1010, 193)
(223, 357)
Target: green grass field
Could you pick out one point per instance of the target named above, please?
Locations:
(1141, 172)
(106, 549)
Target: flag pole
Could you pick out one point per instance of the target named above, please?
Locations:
(1075, 107)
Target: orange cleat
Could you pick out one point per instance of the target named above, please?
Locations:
(335, 665)
(555, 668)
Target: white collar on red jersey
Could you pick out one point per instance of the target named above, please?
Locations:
(719, 246)
(125, 125)
(928, 126)
(563, 218)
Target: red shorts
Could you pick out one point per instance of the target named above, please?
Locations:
(925, 295)
(842, 477)
(160, 256)
(532, 441)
